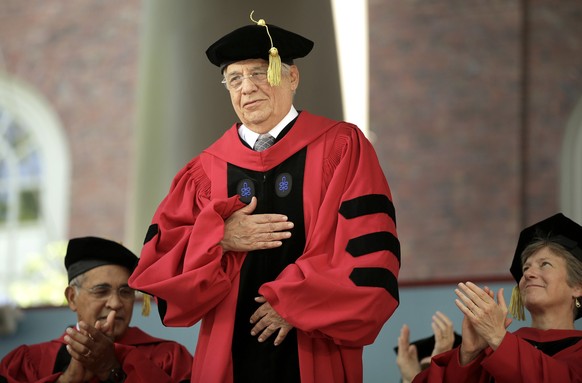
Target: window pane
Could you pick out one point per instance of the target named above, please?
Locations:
(3, 206)
(29, 205)
(3, 169)
(29, 165)
(15, 135)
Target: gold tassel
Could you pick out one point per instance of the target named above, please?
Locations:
(274, 70)
(147, 306)
(516, 305)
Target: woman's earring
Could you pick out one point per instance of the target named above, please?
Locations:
(578, 305)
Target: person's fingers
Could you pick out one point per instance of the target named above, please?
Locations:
(248, 209)
(475, 292)
(438, 331)
(283, 331)
(260, 325)
(468, 313)
(282, 221)
(266, 333)
(74, 354)
(442, 318)
(501, 299)
(267, 321)
(81, 336)
(405, 332)
(92, 332)
(105, 326)
(262, 310)
(109, 328)
(413, 351)
(467, 298)
(489, 292)
(438, 324)
(403, 339)
(77, 344)
(269, 236)
(259, 313)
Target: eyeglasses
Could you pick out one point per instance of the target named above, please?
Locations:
(104, 292)
(235, 81)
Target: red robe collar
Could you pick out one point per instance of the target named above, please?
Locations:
(306, 129)
(546, 335)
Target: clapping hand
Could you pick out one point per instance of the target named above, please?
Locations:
(444, 333)
(92, 349)
(407, 358)
(485, 320)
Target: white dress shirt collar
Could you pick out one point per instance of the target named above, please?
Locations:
(250, 137)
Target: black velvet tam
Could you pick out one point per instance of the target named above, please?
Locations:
(86, 253)
(557, 228)
(252, 42)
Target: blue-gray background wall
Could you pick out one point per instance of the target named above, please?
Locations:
(417, 305)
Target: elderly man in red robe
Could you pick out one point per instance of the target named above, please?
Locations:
(102, 347)
(280, 237)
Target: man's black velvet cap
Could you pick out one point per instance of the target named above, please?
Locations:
(252, 42)
(86, 253)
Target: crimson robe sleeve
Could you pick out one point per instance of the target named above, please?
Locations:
(181, 263)
(19, 366)
(514, 361)
(445, 367)
(164, 362)
(344, 286)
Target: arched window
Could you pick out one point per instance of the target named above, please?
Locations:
(34, 194)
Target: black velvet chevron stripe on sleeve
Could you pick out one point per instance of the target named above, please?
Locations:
(162, 308)
(368, 204)
(152, 232)
(373, 242)
(376, 277)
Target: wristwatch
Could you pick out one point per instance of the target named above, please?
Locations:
(116, 375)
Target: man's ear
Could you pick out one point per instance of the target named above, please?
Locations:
(71, 295)
(294, 76)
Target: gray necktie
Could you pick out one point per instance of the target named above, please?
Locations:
(263, 142)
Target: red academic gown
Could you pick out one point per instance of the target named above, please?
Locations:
(143, 358)
(337, 292)
(526, 356)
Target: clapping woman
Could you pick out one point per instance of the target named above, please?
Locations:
(547, 267)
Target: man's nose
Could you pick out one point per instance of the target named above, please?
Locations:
(114, 300)
(247, 85)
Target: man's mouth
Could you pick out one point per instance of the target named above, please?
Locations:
(250, 103)
(104, 319)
